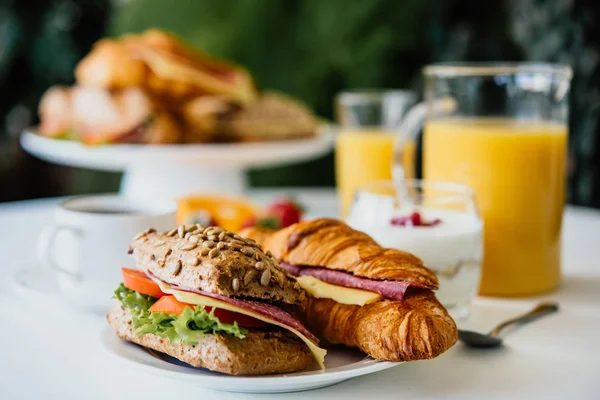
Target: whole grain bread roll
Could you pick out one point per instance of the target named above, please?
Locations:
(217, 261)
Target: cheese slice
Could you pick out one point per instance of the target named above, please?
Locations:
(195, 298)
(323, 290)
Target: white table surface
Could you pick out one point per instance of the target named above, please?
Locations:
(53, 353)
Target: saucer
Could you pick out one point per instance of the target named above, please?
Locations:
(41, 284)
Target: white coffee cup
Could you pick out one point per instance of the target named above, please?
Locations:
(87, 244)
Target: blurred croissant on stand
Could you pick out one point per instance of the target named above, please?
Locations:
(152, 88)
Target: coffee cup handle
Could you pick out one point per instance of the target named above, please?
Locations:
(45, 244)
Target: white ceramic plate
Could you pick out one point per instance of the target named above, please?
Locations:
(342, 364)
(118, 157)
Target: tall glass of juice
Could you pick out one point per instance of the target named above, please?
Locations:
(507, 139)
(365, 144)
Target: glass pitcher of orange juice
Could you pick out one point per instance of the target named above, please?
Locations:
(507, 139)
(365, 148)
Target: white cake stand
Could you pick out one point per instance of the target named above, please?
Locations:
(171, 171)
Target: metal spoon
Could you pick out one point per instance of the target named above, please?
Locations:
(493, 339)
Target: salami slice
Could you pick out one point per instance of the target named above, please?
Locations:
(268, 310)
(393, 290)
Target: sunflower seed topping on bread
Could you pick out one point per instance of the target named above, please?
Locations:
(216, 261)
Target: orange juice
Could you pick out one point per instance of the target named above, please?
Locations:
(365, 156)
(518, 171)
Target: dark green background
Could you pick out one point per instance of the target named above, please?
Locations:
(311, 49)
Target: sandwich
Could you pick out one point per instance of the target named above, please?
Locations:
(214, 300)
(164, 66)
(146, 88)
(152, 88)
(100, 116)
(360, 294)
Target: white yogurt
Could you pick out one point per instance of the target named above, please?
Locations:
(453, 249)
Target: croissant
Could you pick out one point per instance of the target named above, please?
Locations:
(334, 245)
(416, 328)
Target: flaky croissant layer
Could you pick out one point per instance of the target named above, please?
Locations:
(332, 244)
(417, 328)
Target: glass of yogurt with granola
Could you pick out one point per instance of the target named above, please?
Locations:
(436, 221)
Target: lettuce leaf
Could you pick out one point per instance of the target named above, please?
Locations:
(134, 301)
(188, 327)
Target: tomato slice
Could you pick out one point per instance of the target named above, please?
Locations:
(169, 305)
(137, 280)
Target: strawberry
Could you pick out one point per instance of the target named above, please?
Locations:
(286, 211)
(249, 222)
(263, 222)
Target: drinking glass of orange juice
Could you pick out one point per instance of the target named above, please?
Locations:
(365, 144)
(507, 139)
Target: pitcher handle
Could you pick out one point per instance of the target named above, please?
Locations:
(410, 126)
